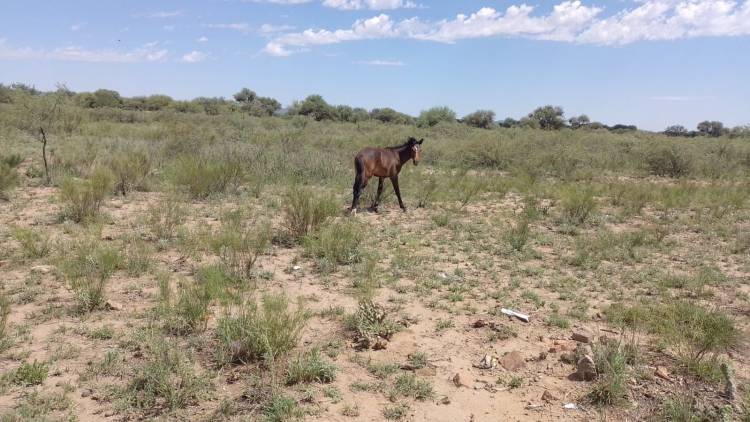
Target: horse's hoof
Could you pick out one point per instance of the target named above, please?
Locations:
(403, 209)
(353, 211)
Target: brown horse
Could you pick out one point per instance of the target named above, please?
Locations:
(382, 163)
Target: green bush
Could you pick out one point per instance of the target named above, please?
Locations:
(33, 244)
(190, 313)
(201, 176)
(165, 379)
(669, 162)
(165, 216)
(29, 374)
(408, 385)
(280, 408)
(88, 266)
(130, 169)
(435, 115)
(611, 366)
(4, 313)
(334, 244)
(304, 211)
(371, 320)
(239, 245)
(577, 205)
(310, 367)
(518, 235)
(83, 198)
(8, 180)
(264, 331)
(483, 119)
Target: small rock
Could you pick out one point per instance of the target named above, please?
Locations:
(42, 269)
(457, 381)
(443, 275)
(662, 373)
(114, 306)
(513, 361)
(380, 344)
(487, 362)
(582, 335)
(479, 323)
(296, 268)
(548, 397)
(542, 356)
(568, 358)
(552, 350)
(445, 400)
(109, 413)
(570, 406)
(86, 393)
(429, 371)
(585, 369)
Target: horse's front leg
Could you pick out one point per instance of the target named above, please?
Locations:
(394, 180)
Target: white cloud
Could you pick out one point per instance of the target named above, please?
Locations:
(681, 98)
(569, 21)
(278, 1)
(238, 26)
(164, 14)
(369, 4)
(194, 56)
(268, 28)
(150, 52)
(383, 63)
(202, 39)
(168, 27)
(76, 27)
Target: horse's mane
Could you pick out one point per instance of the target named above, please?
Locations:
(404, 145)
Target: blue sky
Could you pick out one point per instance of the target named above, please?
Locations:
(647, 62)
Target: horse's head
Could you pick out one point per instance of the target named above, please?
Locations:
(416, 149)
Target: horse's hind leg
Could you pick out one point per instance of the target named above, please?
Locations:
(377, 197)
(360, 181)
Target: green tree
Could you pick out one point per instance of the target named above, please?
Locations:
(577, 122)
(711, 128)
(548, 117)
(435, 115)
(245, 96)
(389, 115)
(316, 107)
(483, 119)
(676, 130)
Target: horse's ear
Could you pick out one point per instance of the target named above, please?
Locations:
(420, 141)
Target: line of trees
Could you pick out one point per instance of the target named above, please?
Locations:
(314, 106)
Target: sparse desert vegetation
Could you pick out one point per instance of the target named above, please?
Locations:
(194, 260)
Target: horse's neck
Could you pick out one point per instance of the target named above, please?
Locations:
(403, 156)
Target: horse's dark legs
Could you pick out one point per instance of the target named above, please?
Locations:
(377, 197)
(394, 180)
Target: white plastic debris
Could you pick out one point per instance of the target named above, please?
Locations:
(443, 275)
(570, 406)
(510, 312)
(296, 268)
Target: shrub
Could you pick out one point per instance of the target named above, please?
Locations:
(518, 235)
(408, 385)
(334, 244)
(669, 162)
(190, 313)
(83, 198)
(310, 367)
(165, 216)
(166, 379)
(304, 211)
(260, 332)
(483, 119)
(88, 268)
(8, 180)
(239, 246)
(435, 115)
(371, 320)
(33, 244)
(578, 205)
(200, 176)
(280, 408)
(29, 374)
(4, 312)
(130, 169)
(611, 365)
